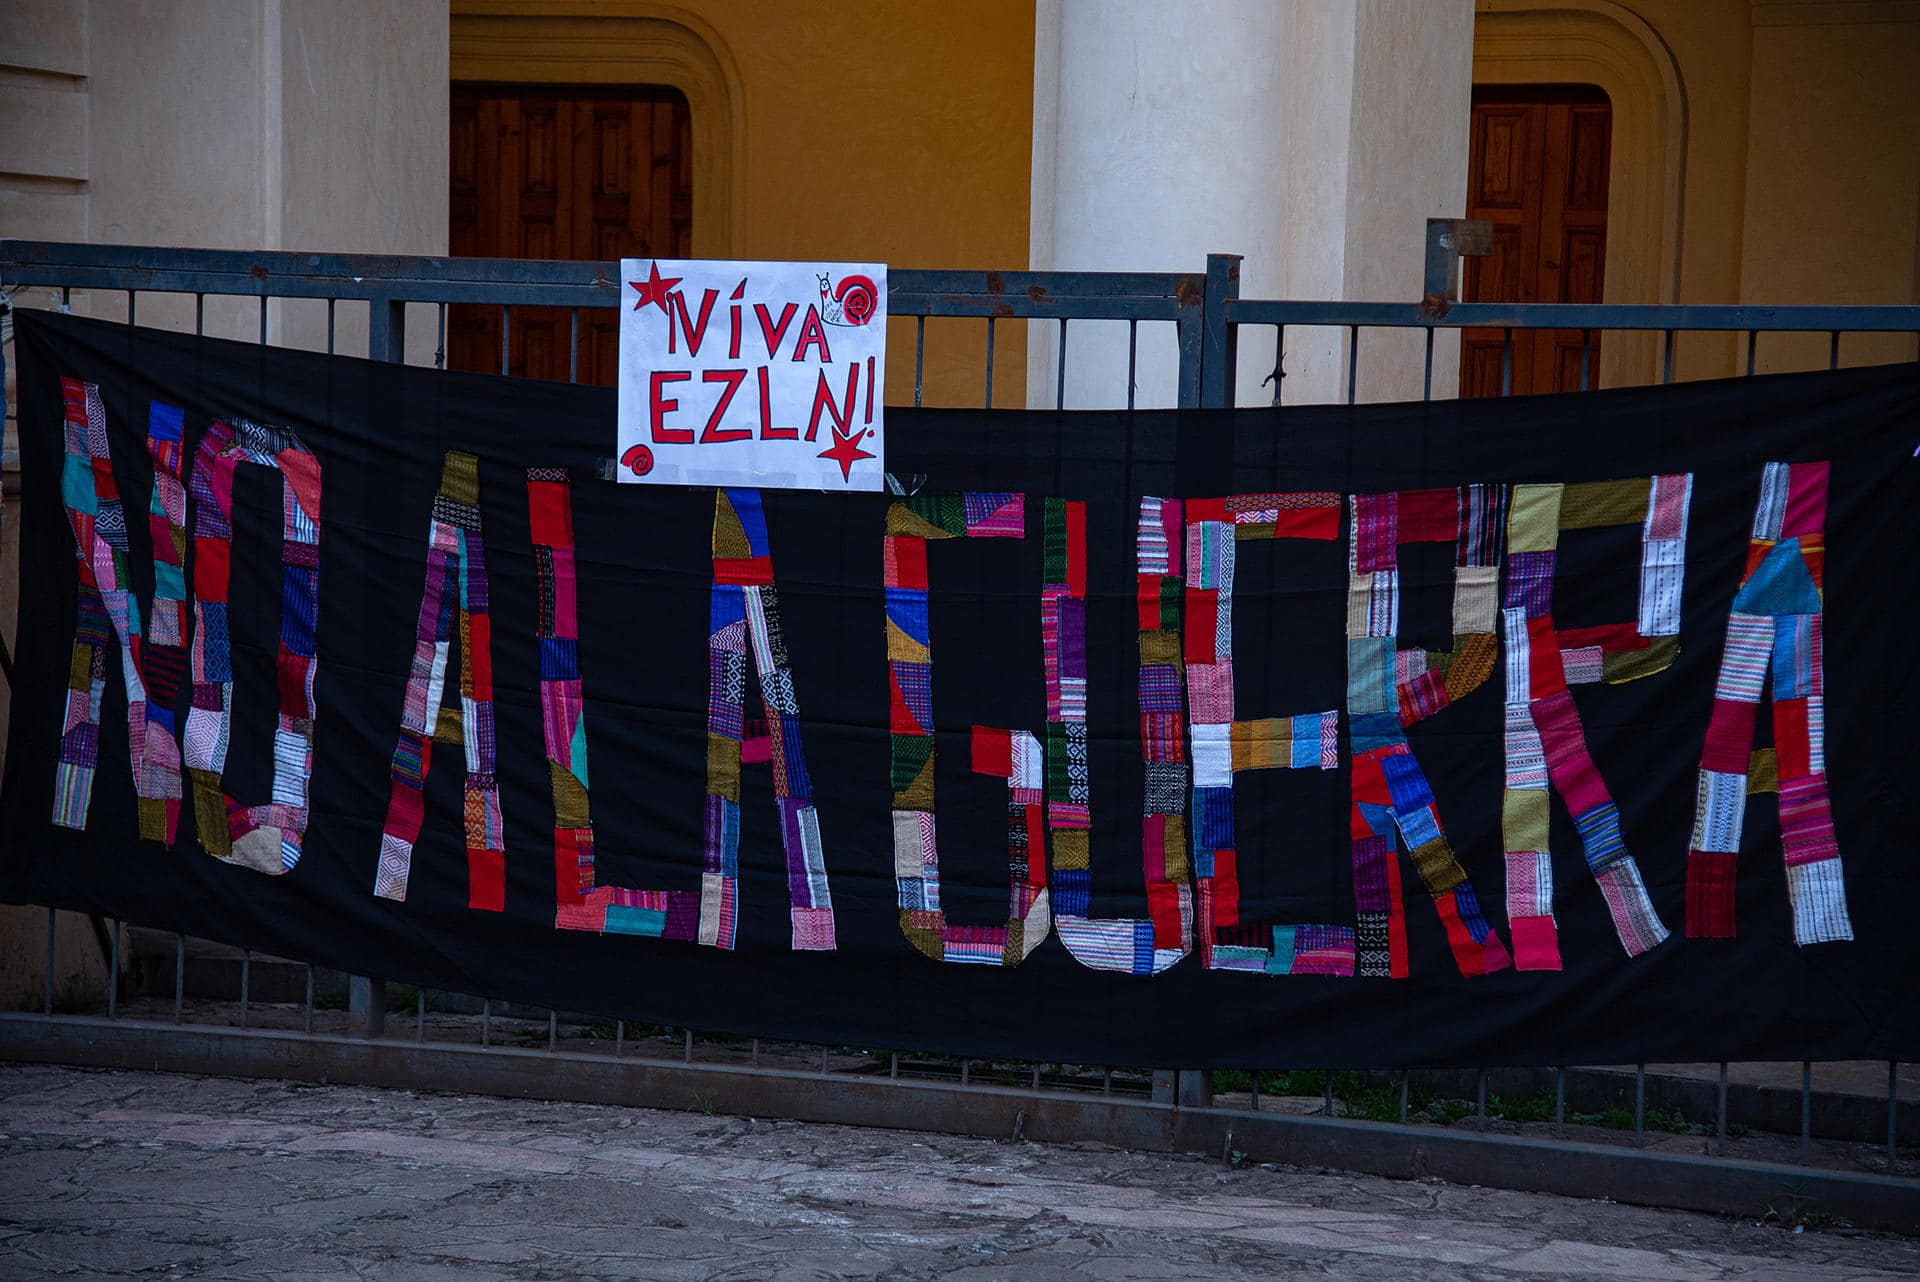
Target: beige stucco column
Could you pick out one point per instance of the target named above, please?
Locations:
(1314, 137)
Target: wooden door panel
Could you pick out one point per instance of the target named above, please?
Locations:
(1537, 169)
(562, 173)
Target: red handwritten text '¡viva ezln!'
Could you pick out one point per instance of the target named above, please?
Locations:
(766, 337)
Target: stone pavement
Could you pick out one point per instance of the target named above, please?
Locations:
(111, 1174)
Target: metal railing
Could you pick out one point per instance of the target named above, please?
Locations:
(1130, 1106)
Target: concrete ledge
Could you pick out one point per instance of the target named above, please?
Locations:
(1499, 1161)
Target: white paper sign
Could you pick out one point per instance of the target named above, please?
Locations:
(761, 375)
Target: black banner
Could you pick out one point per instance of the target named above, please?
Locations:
(1546, 730)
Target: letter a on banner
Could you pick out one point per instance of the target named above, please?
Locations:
(745, 619)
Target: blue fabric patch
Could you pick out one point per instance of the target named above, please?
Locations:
(163, 421)
(636, 921)
(216, 647)
(76, 484)
(1419, 827)
(1406, 783)
(1073, 892)
(746, 506)
(559, 659)
(299, 608)
(1378, 817)
(907, 610)
(729, 606)
(1467, 904)
(1213, 818)
(1792, 657)
(1600, 835)
(1142, 948)
(1281, 962)
(1782, 584)
(1375, 730)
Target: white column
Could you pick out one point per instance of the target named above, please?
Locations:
(1314, 137)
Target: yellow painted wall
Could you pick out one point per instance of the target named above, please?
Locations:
(862, 129)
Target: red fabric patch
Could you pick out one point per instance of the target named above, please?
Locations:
(486, 879)
(1791, 748)
(1307, 522)
(210, 568)
(1546, 674)
(1036, 847)
(1077, 549)
(1226, 889)
(1806, 499)
(292, 669)
(750, 571)
(1467, 955)
(993, 752)
(480, 655)
(1199, 510)
(566, 867)
(1611, 637)
(549, 513)
(405, 805)
(1163, 907)
(1813, 550)
(1429, 516)
(1568, 761)
(1729, 737)
(1396, 921)
(1536, 943)
(906, 562)
(1203, 614)
(1147, 595)
(899, 718)
(1153, 849)
(756, 743)
(1709, 895)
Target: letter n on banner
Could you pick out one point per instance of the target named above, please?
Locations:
(456, 587)
(1775, 628)
(1013, 755)
(745, 619)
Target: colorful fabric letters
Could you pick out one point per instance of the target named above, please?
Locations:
(1223, 746)
(1131, 945)
(1774, 630)
(456, 587)
(1010, 754)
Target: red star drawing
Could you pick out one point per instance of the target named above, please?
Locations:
(654, 288)
(845, 450)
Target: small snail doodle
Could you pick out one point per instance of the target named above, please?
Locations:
(852, 302)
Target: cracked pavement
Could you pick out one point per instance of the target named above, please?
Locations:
(115, 1174)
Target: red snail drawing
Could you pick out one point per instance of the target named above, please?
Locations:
(852, 302)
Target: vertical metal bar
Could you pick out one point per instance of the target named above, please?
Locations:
(179, 976)
(989, 362)
(49, 975)
(1133, 358)
(573, 346)
(263, 320)
(1833, 351)
(486, 1021)
(1753, 339)
(919, 358)
(132, 295)
(1426, 378)
(113, 975)
(1666, 361)
(1217, 360)
(1720, 1127)
(1482, 1094)
(308, 1027)
(893, 1062)
(1279, 360)
(966, 1070)
(246, 983)
(330, 303)
(823, 1061)
(1806, 1109)
(1353, 360)
(199, 314)
(1506, 363)
(506, 335)
(1036, 1077)
(1326, 1093)
(1403, 1097)
(1893, 1113)
(419, 1014)
(686, 1049)
(1639, 1105)
(1106, 1081)
(755, 1055)
(1254, 1077)
(1060, 376)
(553, 1028)
(1586, 359)
(619, 1036)
(440, 336)
(1560, 1103)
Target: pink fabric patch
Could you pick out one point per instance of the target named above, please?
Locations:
(1568, 762)
(1536, 943)
(1806, 499)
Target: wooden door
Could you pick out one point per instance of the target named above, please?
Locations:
(544, 171)
(1537, 170)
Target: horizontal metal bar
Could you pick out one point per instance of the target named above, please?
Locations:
(1654, 1178)
(1605, 316)
(552, 283)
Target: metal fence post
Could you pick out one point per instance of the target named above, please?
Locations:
(1219, 350)
(366, 1006)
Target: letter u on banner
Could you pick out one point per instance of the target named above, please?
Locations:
(1013, 755)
